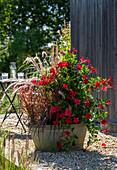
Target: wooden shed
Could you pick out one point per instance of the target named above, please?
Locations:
(94, 35)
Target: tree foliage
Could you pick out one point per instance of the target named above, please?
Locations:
(31, 24)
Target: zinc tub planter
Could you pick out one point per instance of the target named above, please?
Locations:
(46, 139)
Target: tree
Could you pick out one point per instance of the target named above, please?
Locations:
(31, 24)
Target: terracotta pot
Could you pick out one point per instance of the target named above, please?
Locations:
(46, 139)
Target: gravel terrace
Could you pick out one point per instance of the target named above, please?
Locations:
(96, 157)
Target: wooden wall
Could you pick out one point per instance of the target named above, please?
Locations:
(94, 34)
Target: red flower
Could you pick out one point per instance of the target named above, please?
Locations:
(53, 110)
(58, 115)
(111, 79)
(103, 82)
(85, 81)
(74, 50)
(88, 116)
(63, 64)
(65, 86)
(109, 83)
(53, 71)
(45, 82)
(82, 59)
(87, 60)
(43, 78)
(104, 121)
(97, 84)
(67, 133)
(85, 76)
(109, 102)
(89, 90)
(51, 79)
(59, 145)
(55, 123)
(57, 108)
(104, 88)
(93, 70)
(103, 144)
(34, 82)
(41, 82)
(62, 115)
(74, 93)
(68, 120)
(68, 52)
(77, 101)
(105, 131)
(87, 103)
(76, 120)
(113, 86)
(68, 112)
(79, 67)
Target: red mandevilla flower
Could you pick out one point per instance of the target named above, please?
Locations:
(53, 71)
(68, 112)
(79, 67)
(86, 81)
(34, 82)
(111, 79)
(59, 145)
(76, 101)
(67, 133)
(43, 77)
(68, 52)
(87, 60)
(62, 115)
(53, 110)
(87, 103)
(68, 120)
(41, 82)
(65, 86)
(104, 121)
(63, 64)
(76, 120)
(104, 88)
(57, 108)
(103, 82)
(93, 70)
(109, 102)
(82, 59)
(88, 116)
(45, 82)
(51, 79)
(85, 76)
(74, 93)
(97, 84)
(55, 123)
(74, 50)
(105, 131)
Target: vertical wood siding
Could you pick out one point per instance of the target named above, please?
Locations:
(94, 35)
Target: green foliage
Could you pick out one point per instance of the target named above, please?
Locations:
(31, 25)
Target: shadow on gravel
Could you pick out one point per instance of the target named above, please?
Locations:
(88, 160)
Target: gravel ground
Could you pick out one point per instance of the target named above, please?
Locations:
(95, 157)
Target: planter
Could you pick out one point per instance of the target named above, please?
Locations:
(46, 139)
